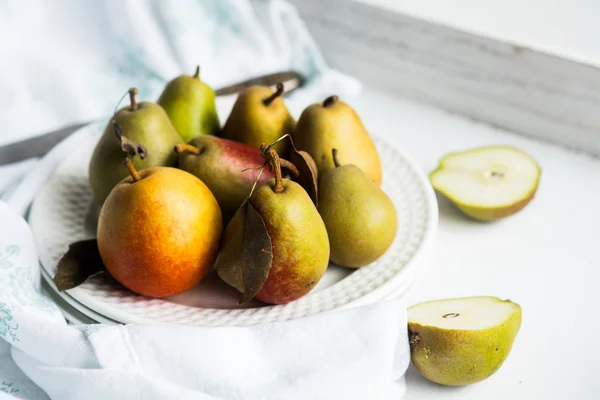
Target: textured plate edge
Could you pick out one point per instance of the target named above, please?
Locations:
(381, 292)
(70, 314)
(79, 307)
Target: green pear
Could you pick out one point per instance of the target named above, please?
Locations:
(334, 124)
(260, 115)
(190, 105)
(488, 183)
(144, 124)
(360, 218)
(457, 342)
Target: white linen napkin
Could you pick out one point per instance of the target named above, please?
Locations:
(68, 62)
(65, 61)
(360, 353)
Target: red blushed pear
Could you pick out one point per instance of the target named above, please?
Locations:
(275, 248)
(225, 166)
(159, 231)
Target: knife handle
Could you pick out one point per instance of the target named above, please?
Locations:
(290, 79)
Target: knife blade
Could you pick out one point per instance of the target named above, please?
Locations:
(40, 145)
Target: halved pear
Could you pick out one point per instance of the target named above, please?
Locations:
(457, 342)
(488, 183)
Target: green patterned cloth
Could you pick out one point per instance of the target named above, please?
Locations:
(69, 61)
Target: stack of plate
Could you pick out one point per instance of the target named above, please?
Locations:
(63, 212)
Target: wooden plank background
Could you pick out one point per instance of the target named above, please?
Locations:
(508, 86)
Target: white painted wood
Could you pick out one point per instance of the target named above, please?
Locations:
(545, 258)
(564, 28)
(502, 84)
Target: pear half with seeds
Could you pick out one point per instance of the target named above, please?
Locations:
(457, 342)
(488, 183)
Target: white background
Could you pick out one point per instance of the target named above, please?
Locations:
(546, 258)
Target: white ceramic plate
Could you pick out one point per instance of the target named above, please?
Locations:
(63, 212)
(70, 314)
(74, 311)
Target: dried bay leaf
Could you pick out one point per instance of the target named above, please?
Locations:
(246, 252)
(229, 263)
(128, 146)
(258, 252)
(307, 168)
(133, 148)
(301, 166)
(80, 262)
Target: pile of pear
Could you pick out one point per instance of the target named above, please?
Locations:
(265, 200)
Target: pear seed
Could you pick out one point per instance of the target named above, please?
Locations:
(451, 315)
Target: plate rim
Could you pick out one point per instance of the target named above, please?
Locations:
(77, 306)
(408, 274)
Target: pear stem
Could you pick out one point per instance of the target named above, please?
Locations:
(132, 171)
(117, 128)
(287, 135)
(253, 168)
(134, 103)
(197, 73)
(262, 168)
(331, 100)
(183, 147)
(119, 103)
(284, 163)
(272, 158)
(334, 153)
(276, 94)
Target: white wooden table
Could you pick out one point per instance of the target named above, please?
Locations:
(525, 67)
(565, 28)
(547, 258)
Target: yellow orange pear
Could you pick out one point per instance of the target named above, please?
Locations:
(260, 115)
(333, 124)
(159, 231)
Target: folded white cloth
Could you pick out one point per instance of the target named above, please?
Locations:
(360, 353)
(69, 62)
